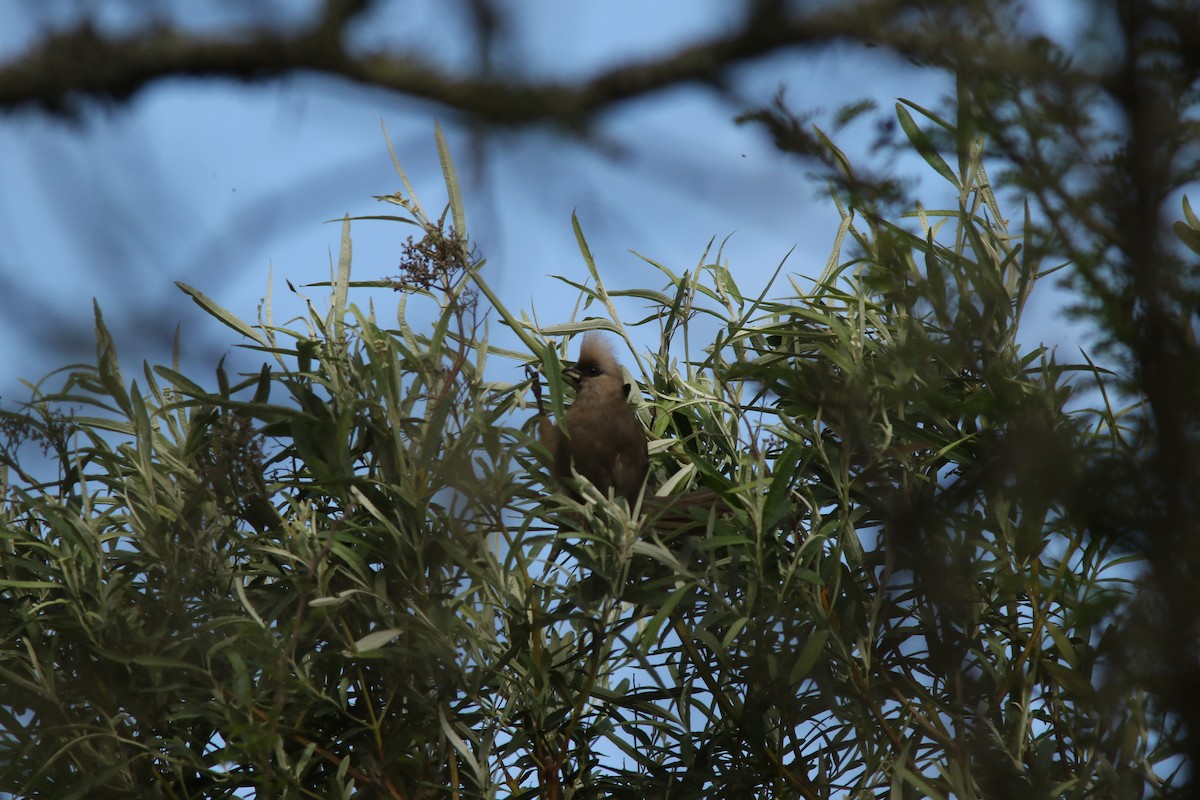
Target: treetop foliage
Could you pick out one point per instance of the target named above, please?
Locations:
(934, 560)
(348, 573)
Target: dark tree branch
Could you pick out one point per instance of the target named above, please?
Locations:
(80, 63)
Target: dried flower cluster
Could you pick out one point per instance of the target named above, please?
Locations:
(436, 261)
(234, 458)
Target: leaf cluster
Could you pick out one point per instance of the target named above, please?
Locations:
(344, 575)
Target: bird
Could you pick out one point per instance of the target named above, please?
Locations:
(603, 439)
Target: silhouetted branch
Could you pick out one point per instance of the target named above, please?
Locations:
(81, 63)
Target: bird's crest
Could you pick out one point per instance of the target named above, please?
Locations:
(595, 350)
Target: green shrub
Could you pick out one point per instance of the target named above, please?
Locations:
(343, 575)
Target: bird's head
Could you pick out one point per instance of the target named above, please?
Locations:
(597, 367)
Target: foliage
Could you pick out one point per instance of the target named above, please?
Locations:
(341, 576)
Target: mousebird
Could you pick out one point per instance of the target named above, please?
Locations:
(604, 440)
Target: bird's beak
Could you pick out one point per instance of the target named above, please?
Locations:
(571, 373)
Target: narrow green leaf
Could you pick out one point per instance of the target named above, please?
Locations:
(376, 640)
(464, 752)
(778, 500)
(924, 146)
(108, 365)
(263, 391)
(808, 656)
(453, 192)
(1192, 220)
(408, 189)
(1189, 236)
(649, 634)
(585, 251)
(221, 314)
(341, 283)
(18, 584)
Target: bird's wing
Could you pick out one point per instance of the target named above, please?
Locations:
(630, 462)
(549, 433)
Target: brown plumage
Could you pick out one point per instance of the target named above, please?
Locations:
(604, 440)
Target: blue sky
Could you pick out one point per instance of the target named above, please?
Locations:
(217, 183)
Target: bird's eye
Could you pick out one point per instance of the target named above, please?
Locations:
(593, 370)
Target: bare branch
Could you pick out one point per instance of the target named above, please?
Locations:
(80, 63)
